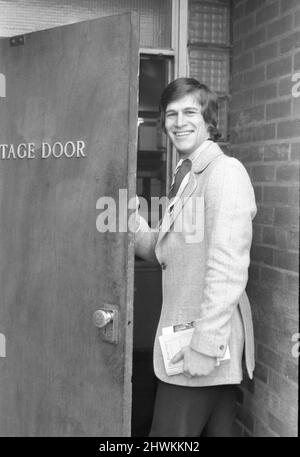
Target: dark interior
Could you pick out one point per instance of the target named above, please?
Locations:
(151, 182)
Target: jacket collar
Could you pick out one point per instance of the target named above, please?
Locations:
(205, 154)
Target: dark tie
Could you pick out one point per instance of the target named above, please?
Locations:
(179, 175)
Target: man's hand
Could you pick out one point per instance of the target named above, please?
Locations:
(194, 363)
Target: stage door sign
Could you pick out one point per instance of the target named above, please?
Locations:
(68, 119)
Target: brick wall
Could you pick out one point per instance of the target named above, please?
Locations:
(265, 136)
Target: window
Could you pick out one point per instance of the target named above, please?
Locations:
(155, 72)
(22, 17)
(209, 50)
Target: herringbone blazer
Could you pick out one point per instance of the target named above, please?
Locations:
(203, 247)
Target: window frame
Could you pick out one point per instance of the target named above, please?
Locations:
(179, 54)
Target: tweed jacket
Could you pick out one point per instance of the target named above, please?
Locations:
(203, 247)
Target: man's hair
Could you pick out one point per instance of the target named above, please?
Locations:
(207, 99)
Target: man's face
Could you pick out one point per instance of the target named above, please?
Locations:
(185, 125)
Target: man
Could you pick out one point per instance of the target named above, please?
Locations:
(204, 277)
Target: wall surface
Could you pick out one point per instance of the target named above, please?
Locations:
(265, 136)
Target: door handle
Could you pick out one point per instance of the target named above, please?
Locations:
(107, 319)
(102, 317)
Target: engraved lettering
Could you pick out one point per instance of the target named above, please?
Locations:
(80, 147)
(72, 149)
(46, 150)
(57, 150)
(31, 151)
(11, 152)
(2, 149)
(21, 151)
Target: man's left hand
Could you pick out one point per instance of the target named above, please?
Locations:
(194, 363)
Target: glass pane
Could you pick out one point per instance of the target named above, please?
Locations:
(209, 23)
(153, 80)
(210, 68)
(155, 19)
(152, 144)
(21, 17)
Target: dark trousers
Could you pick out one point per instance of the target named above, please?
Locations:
(181, 411)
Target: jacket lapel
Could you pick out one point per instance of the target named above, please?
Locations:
(209, 151)
(169, 218)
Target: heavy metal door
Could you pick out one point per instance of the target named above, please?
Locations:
(68, 116)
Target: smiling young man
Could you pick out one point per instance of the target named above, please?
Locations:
(204, 279)
(185, 125)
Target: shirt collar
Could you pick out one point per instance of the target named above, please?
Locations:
(202, 156)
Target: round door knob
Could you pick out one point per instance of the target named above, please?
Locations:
(102, 317)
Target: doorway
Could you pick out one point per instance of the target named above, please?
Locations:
(152, 178)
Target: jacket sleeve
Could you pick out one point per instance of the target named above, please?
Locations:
(145, 240)
(229, 210)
